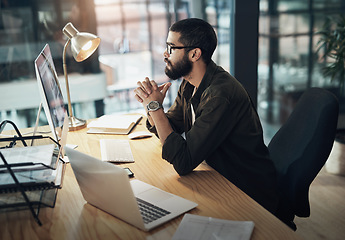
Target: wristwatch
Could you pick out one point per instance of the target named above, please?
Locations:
(153, 106)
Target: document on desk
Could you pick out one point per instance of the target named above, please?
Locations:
(194, 227)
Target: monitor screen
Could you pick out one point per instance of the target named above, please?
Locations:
(51, 95)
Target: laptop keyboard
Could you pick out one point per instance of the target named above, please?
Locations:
(116, 150)
(150, 212)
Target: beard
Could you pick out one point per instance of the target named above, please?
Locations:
(180, 69)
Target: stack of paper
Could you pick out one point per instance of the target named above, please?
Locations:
(33, 166)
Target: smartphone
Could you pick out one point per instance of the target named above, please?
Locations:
(129, 172)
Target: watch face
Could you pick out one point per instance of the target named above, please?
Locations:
(153, 105)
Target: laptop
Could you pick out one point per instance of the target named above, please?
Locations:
(107, 187)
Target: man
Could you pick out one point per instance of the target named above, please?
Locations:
(214, 111)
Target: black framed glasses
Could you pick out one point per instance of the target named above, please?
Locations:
(170, 48)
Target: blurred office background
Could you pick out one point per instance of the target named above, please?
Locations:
(269, 45)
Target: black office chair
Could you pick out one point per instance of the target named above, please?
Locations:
(300, 148)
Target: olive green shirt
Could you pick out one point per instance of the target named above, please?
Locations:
(227, 133)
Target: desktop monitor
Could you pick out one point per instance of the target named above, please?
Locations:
(50, 91)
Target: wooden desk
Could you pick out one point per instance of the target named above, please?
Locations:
(73, 218)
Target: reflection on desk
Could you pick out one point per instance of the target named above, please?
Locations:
(73, 218)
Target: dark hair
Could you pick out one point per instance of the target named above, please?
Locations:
(197, 32)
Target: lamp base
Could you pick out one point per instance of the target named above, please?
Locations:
(76, 123)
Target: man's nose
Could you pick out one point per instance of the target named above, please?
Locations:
(166, 54)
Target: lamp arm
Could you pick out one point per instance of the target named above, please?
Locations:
(66, 77)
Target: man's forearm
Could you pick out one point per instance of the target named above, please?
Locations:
(161, 123)
(152, 123)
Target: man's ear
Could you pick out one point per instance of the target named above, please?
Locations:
(195, 54)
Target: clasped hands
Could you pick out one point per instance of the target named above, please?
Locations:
(148, 91)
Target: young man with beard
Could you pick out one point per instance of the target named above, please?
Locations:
(214, 111)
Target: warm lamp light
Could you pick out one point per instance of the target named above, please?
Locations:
(83, 45)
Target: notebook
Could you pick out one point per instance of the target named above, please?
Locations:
(114, 124)
(121, 197)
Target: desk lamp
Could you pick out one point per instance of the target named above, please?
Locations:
(83, 45)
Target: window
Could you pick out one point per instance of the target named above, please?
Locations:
(133, 35)
(288, 63)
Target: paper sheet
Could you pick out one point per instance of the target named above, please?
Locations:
(194, 227)
(31, 154)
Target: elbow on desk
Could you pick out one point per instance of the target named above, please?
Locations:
(175, 151)
(180, 166)
(182, 171)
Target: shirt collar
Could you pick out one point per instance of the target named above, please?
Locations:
(205, 83)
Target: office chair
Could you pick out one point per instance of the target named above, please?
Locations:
(300, 148)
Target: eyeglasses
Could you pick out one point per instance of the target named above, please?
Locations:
(170, 48)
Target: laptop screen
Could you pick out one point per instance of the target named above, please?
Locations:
(51, 95)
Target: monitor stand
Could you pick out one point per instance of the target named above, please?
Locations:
(37, 121)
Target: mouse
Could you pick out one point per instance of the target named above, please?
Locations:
(140, 134)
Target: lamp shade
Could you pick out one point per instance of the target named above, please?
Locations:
(83, 44)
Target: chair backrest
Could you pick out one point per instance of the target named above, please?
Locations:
(301, 147)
